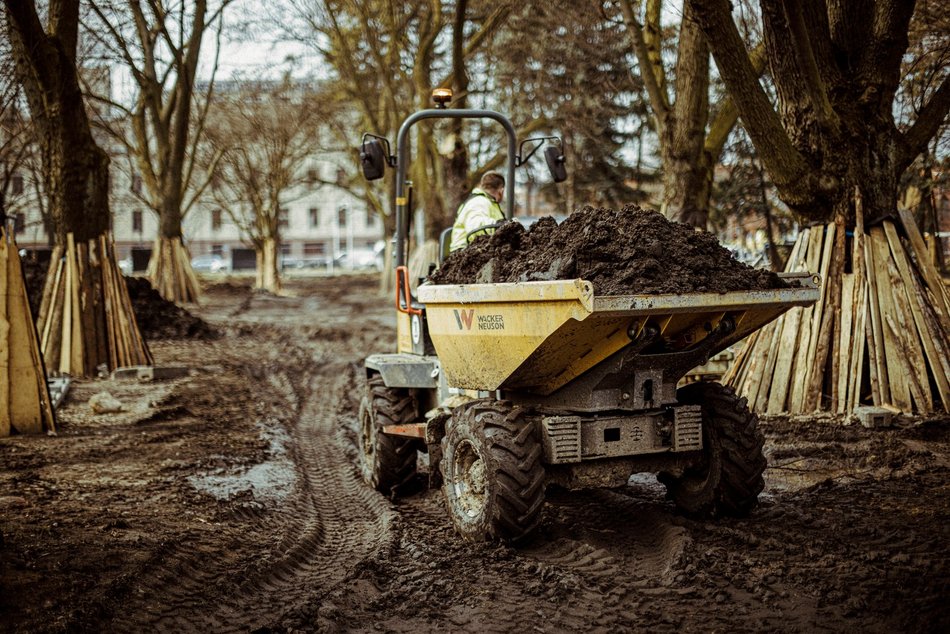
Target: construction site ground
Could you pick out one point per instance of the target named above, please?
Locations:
(230, 500)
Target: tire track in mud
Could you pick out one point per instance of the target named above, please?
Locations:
(273, 562)
(614, 534)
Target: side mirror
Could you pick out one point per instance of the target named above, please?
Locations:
(555, 160)
(372, 159)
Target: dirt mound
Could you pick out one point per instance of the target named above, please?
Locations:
(34, 274)
(159, 318)
(620, 252)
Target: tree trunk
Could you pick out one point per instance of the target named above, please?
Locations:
(268, 273)
(775, 260)
(687, 185)
(687, 169)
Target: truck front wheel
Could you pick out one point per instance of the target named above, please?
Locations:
(728, 478)
(493, 477)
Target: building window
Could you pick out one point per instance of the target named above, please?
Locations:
(370, 217)
(312, 176)
(136, 184)
(137, 221)
(286, 248)
(314, 217)
(19, 223)
(341, 216)
(340, 176)
(215, 219)
(217, 249)
(283, 218)
(311, 249)
(16, 185)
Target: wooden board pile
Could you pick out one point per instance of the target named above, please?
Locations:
(86, 318)
(880, 333)
(170, 271)
(25, 405)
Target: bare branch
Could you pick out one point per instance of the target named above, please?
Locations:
(659, 100)
(928, 122)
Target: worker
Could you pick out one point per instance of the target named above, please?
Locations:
(481, 209)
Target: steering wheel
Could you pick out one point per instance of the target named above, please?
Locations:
(493, 226)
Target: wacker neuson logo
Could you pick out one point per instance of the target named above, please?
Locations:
(465, 319)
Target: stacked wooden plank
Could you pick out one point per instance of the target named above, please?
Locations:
(86, 318)
(170, 271)
(879, 334)
(25, 405)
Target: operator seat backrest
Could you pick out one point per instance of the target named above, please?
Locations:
(445, 241)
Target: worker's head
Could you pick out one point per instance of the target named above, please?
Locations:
(494, 185)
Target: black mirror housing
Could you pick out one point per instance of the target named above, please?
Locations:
(555, 160)
(372, 159)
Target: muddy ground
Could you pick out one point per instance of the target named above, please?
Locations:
(229, 500)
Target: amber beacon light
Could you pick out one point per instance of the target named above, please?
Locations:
(441, 96)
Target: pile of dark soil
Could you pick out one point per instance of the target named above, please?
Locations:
(157, 317)
(630, 251)
(34, 274)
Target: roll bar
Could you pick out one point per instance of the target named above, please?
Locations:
(402, 147)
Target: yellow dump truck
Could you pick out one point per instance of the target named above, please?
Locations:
(511, 387)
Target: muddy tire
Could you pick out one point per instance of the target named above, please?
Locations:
(729, 478)
(386, 462)
(493, 478)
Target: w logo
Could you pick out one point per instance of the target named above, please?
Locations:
(464, 317)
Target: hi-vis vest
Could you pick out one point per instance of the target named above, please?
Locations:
(478, 210)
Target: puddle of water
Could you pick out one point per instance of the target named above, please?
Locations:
(271, 481)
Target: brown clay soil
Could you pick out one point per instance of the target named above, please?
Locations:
(229, 500)
(619, 252)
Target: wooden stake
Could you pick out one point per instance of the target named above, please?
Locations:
(879, 383)
(859, 338)
(829, 310)
(843, 336)
(5, 423)
(52, 342)
(926, 267)
(926, 337)
(897, 381)
(24, 398)
(48, 288)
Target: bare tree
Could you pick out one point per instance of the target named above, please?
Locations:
(562, 68)
(836, 68)
(691, 135)
(76, 174)
(385, 58)
(263, 133)
(161, 44)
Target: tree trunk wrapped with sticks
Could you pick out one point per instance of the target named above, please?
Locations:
(170, 271)
(86, 318)
(879, 335)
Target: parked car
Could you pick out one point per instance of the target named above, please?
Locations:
(209, 264)
(360, 259)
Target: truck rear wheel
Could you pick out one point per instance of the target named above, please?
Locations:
(728, 480)
(493, 478)
(386, 462)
